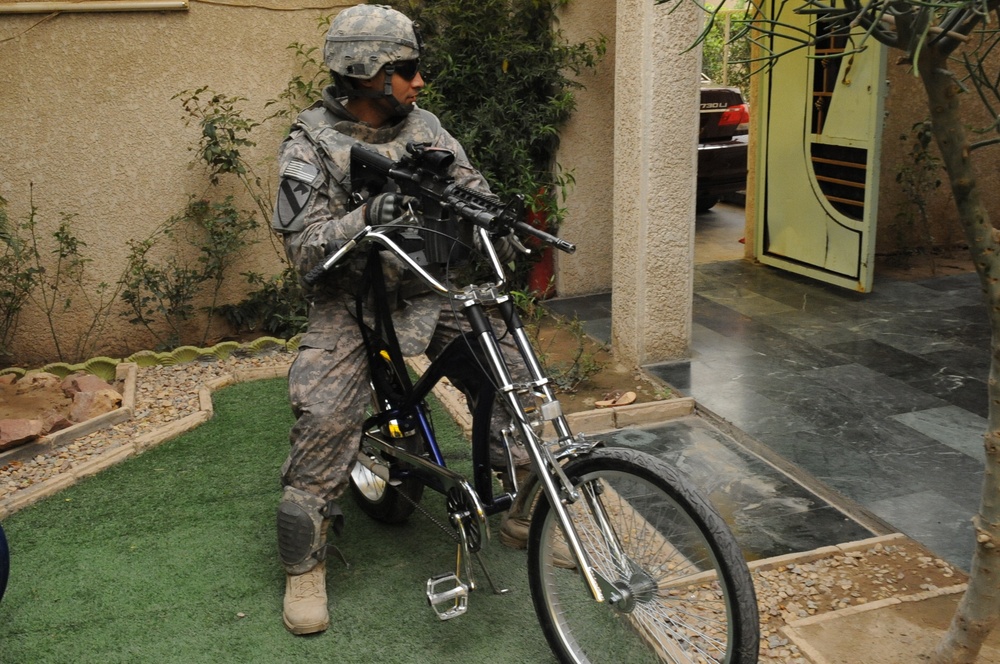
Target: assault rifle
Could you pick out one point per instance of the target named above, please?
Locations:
(448, 210)
(423, 174)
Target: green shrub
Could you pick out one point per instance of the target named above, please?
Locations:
(498, 76)
(18, 276)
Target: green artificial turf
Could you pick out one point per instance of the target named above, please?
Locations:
(171, 557)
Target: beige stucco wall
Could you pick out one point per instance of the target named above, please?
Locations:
(900, 228)
(87, 117)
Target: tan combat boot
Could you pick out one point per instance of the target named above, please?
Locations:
(305, 609)
(302, 528)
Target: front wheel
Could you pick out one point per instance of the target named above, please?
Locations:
(4, 563)
(676, 586)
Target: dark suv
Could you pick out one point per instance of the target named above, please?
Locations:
(722, 144)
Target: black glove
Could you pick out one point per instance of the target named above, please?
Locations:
(384, 208)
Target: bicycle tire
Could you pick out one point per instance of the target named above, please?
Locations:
(4, 563)
(685, 593)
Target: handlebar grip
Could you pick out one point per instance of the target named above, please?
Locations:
(314, 274)
(340, 250)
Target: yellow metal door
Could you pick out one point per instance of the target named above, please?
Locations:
(820, 132)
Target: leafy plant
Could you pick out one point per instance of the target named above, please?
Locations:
(306, 86)
(725, 54)
(225, 133)
(275, 307)
(226, 234)
(18, 276)
(54, 285)
(63, 285)
(165, 290)
(567, 375)
(159, 292)
(499, 78)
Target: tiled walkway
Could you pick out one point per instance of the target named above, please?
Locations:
(880, 397)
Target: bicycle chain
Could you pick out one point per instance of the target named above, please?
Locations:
(450, 531)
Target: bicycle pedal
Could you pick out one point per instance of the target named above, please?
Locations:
(455, 594)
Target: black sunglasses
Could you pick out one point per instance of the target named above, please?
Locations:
(407, 69)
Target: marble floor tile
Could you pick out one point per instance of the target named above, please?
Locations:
(955, 427)
(872, 392)
(934, 520)
(816, 331)
(879, 397)
(882, 358)
(769, 512)
(745, 302)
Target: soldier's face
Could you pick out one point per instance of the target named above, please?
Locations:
(406, 91)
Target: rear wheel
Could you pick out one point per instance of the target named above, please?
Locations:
(379, 500)
(676, 586)
(705, 202)
(375, 496)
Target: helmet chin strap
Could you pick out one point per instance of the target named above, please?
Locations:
(395, 109)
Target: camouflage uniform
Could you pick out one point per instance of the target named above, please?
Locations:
(328, 384)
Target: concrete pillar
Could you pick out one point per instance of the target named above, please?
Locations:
(655, 166)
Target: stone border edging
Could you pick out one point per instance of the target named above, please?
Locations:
(126, 372)
(789, 629)
(594, 421)
(115, 455)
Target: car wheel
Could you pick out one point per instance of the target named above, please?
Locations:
(705, 202)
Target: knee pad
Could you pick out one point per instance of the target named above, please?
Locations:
(303, 520)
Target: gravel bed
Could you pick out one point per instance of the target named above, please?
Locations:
(788, 590)
(163, 394)
(838, 580)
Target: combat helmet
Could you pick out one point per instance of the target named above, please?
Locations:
(364, 38)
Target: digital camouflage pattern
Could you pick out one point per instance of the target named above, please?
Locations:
(363, 39)
(328, 383)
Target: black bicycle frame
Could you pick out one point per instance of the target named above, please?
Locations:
(461, 361)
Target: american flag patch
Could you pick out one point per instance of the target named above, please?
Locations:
(301, 171)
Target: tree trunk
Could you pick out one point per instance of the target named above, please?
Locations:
(979, 610)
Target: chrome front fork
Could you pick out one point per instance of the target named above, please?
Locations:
(557, 486)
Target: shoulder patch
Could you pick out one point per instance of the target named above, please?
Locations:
(302, 171)
(299, 180)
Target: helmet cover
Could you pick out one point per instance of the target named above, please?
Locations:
(364, 38)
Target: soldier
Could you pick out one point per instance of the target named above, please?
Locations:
(373, 53)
